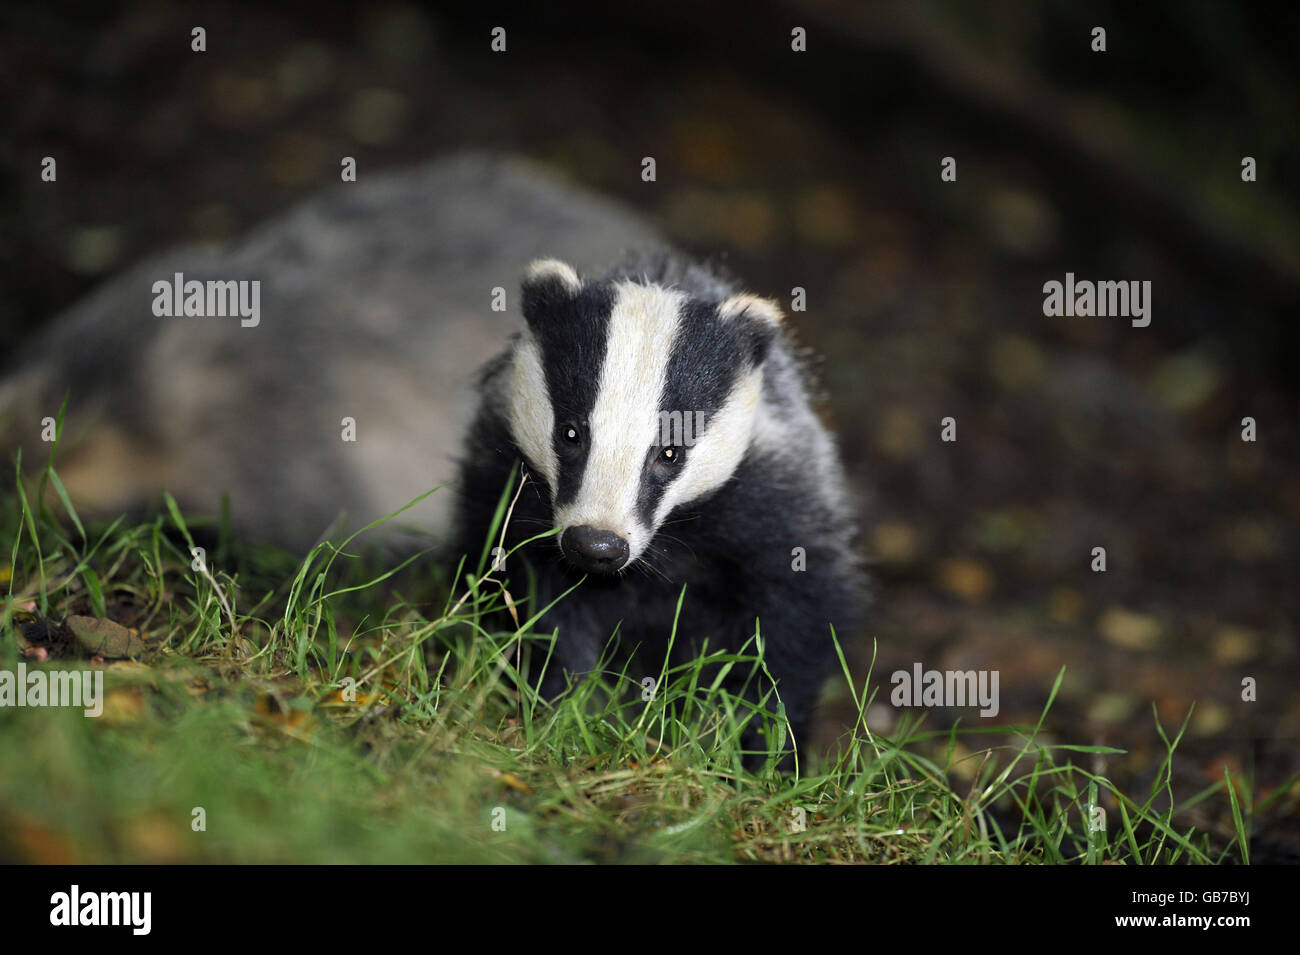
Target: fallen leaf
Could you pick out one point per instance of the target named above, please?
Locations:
(1185, 381)
(966, 578)
(1235, 644)
(1066, 605)
(1210, 719)
(271, 713)
(894, 542)
(512, 781)
(336, 698)
(1125, 628)
(1112, 709)
(36, 843)
(156, 838)
(100, 636)
(123, 706)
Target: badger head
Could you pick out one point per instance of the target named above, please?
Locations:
(631, 400)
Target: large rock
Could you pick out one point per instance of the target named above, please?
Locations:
(375, 305)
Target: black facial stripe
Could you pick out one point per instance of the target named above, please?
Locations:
(572, 338)
(707, 358)
(648, 498)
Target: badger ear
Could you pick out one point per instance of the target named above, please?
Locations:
(548, 282)
(758, 318)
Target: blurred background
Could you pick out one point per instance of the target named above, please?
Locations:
(821, 170)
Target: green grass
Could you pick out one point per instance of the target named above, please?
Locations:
(341, 709)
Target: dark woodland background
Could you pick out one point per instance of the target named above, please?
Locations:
(822, 170)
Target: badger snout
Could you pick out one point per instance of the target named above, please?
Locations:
(594, 550)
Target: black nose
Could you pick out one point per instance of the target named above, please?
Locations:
(592, 550)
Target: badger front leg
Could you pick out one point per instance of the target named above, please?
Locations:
(579, 642)
(792, 700)
(798, 655)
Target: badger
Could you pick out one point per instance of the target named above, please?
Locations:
(664, 429)
(374, 310)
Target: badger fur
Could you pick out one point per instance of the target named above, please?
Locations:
(745, 508)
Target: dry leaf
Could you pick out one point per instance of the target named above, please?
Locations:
(35, 843)
(271, 713)
(510, 605)
(966, 578)
(513, 781)
(123, 706)
(102, 637)
(1133, 631)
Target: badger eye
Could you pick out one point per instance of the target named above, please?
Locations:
(664, 463)
(571, 433)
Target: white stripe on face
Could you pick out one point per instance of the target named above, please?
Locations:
(713, 459)
(532, 420)
(624, 422)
